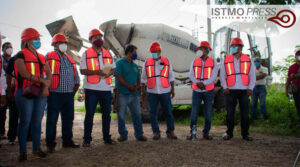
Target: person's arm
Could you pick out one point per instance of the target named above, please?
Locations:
(143, 80)
(76, 82)
(262, 75)
(20, 64)
(252, 77)
(288, 82)
(223, 76)
(121, 81)
(172, 81)
(213, 75)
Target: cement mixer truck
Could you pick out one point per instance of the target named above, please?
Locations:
(178, 46)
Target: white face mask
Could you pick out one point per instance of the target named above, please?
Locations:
(199, 53)
(298, 58)
(9, 51)
(63, 47)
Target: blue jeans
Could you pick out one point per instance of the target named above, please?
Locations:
(30, 111)
(166, 104)
(231, 101)
(92, 98)
(260, 91)
(63, 103)
(208, 98)
(133, 102)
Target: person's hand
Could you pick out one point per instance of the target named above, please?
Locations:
(132, 88)
(2, 100)
(226, 91)
(46, 82)
(292, 76)
(45, 92)
(249, 92)
(200, 85)
(75, 89)
(172, 93)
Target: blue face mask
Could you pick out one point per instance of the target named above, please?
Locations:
(154, 55)
(233, 49)
(256, 64)
(134, 56)
(36, 44)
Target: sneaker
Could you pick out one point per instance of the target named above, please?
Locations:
(156, 136)
(122, 138)
(39, 153)
(171, 135)
(141, 138)
(71, 145)
(207, 137)
(225, 136)
(22, 157)
(248, 138)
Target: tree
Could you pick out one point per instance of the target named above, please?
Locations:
(283, 68)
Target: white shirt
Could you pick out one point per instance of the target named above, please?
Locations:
(238, 81)
(206, 82)
(260, 71)
(102, 85)
(158, 89)
(3, 84)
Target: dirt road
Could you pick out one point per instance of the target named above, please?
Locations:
(266, 150)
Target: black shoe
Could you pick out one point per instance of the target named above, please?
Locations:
(22, 157)
(71, 145)
(248, 138)
(141, 138)
(51, 149)
(110, 142)
(11, 142)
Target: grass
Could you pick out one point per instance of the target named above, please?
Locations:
(283, 119)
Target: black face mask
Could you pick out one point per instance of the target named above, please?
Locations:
(98, 43)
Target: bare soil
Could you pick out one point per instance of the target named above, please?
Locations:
(265, 150)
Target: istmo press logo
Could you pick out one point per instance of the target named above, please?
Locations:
(278, 14)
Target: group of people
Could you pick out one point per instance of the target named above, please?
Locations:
(30, 80)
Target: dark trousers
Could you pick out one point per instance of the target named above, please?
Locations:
(62, 103)
(231, 102)
(92, 98)
(297, 103)
(2, 119)
(13, 120)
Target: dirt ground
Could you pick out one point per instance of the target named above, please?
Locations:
(265, 150)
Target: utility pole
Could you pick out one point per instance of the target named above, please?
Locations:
(208, 22)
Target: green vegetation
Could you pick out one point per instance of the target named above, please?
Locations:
(282, 113)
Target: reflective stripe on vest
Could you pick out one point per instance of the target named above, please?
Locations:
(245, 65)
(164, 74)
(32, 66)
(54, 64)
(92, 62)
(208, 67)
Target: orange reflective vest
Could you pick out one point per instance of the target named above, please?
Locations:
(92, 62)
(164, 74)
(32, 66)
(54, 64)
(245, 65)
(208, 67)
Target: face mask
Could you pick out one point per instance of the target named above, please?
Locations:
(63, 47)
(256, 64)
(154, 55)
(36, 44)
(233, 50)
(98, 43)
(9, 51)
(134, 56)
(298, 58)
(199, 53)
